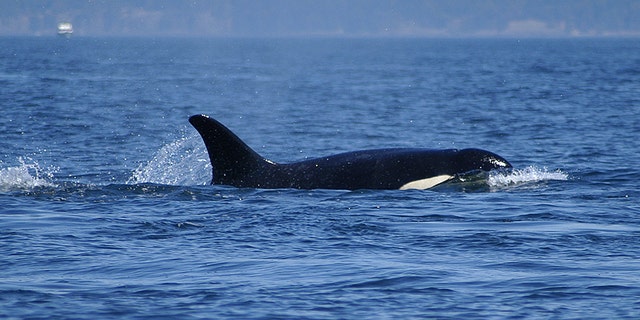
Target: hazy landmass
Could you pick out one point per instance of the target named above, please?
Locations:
(348, 18)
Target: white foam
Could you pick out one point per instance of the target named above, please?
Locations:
(182, 162)
(26, 176)
(523, 176)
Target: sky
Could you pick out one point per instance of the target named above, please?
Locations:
(328, 18)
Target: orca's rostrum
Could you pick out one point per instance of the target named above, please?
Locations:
(236, 164)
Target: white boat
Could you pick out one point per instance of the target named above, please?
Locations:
(65, 28)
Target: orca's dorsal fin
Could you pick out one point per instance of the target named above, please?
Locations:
(233, 161)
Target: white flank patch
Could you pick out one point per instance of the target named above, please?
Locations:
(426, 183)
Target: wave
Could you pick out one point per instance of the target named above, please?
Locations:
(27, 175)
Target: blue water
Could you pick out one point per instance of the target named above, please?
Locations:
(106, 211)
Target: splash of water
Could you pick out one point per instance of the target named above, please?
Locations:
(182, 162)
(524, 176)
(27, 175)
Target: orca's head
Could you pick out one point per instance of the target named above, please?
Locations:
(469, 160)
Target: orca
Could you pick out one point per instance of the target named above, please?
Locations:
(234, 163)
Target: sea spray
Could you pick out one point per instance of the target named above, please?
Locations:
(182, 162)
(523, 176)
(27, 175)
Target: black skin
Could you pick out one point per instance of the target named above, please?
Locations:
(236, 164)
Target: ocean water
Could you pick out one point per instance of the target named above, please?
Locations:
(106, 211)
